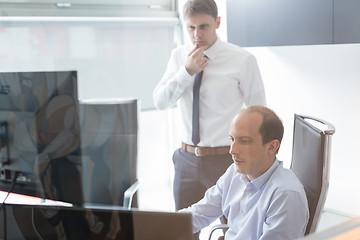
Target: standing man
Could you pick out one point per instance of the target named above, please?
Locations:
(230, 80)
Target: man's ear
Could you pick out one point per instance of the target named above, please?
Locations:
(218, 20)
(274, 145)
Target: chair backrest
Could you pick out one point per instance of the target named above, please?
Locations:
(311, 162)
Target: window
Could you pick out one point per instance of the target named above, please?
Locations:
(106, 8)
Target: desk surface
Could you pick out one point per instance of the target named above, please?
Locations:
(345, 231)
(93, 222)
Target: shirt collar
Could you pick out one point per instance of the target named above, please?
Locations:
(261, 180)
(212, 51)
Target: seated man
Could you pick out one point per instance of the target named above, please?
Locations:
(260, 198)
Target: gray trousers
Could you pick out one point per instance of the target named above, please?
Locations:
(194, 175)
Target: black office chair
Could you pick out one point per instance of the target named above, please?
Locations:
(311, 164)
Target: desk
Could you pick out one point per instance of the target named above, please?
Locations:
(349, 230)
(92, 223)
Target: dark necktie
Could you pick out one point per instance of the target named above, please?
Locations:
(195, 120)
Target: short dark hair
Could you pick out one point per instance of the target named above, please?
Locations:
(193, 7)
(271, 127)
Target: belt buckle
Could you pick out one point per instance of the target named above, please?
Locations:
(197, 153)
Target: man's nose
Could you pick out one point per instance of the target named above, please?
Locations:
(232, 149)
(196, 32)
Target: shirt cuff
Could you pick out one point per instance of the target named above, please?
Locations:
(186, 78)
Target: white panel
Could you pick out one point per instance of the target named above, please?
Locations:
(121, 2)
(321, 81)
(108, 8)
(114, 59)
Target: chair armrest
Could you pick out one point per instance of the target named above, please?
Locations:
(216, 227)
(129, 193)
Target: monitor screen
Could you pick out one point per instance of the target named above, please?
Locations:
(51, 222)
(39, 134)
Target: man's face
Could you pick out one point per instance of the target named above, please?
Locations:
(202, 29)
(249, 154)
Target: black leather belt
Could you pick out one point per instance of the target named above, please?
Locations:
(205, 151)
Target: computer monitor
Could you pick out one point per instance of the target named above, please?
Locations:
(54, 222)
(39, 134)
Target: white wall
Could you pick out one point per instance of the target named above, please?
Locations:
(322, 81)
(114, 57)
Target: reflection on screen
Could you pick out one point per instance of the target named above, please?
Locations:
(39, 134)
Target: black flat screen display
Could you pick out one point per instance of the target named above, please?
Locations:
(39, 135)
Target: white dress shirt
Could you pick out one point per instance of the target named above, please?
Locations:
(273, 206)
(231, 79)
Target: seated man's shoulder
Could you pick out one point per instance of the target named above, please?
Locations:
(284, 179)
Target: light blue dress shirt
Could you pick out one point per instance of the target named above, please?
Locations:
(273, 206)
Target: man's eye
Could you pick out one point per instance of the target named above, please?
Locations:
(245, 140)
